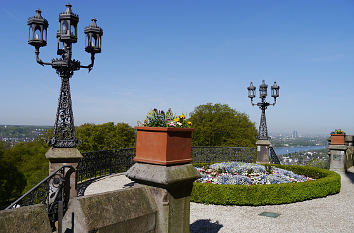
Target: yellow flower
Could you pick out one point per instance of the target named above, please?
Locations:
(182, 116)
(189, 123)
(177, 119)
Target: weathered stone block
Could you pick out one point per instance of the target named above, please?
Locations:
(338, 157)
(263, 151)
(129, 210)
(27, 219)
(171, 187)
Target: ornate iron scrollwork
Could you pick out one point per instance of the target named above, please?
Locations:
(64, 129)
(273, 156)
(49, 191)
(263, 130)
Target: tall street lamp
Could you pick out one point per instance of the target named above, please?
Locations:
(64, 131)
(63, 142)
(263, 139)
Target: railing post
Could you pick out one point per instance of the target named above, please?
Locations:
(59, 157)
(60, 216)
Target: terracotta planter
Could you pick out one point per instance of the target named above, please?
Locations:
(165, 146)
(337, 139)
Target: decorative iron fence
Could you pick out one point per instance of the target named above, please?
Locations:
(101, 163)
(203, 154)
(53, 191)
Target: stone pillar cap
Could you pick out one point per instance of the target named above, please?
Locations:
(162, 175)
(63, 154)
(337, 147)
(263, 143)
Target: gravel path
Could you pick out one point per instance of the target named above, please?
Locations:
(334, 213)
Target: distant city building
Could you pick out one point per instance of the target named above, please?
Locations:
(295, 134)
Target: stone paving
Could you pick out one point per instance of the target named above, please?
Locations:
(334, 213)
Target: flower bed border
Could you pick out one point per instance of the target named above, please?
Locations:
(326, 183)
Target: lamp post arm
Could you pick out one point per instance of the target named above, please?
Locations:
(89, 67)
(39, 61)
(275, 101)
(252, 102)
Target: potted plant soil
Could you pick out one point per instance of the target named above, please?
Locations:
(164, 139)
(337, 137)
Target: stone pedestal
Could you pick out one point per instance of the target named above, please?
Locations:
(337, 157)
(59, 157)
(171, 187)
(263, 151)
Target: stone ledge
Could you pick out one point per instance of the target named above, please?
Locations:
(128, 210)
(27, 219)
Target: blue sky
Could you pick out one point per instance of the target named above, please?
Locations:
(181, 54)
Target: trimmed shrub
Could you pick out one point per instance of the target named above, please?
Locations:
(326, 183)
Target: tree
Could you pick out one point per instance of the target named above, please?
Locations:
(105, 136)
(29, 159)
(12, 182)
(220, 125)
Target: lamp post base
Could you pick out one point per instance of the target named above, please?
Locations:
(263, 151)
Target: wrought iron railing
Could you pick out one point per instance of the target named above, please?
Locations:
(201, 154)
(101, 163)
(273, 156)
(52, 191)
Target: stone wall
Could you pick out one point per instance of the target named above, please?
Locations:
(27, 219)
(127, 210)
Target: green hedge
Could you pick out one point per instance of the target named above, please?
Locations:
(326, 183)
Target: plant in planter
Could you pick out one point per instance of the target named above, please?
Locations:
(338, 137)
(164, 138)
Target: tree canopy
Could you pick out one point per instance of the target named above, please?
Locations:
(220, 125)
(105, 136)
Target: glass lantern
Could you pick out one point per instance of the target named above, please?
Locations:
(37, 34)
(275, 90)
(93, 37)
(251, 91)
(68, 26)
(263, 90)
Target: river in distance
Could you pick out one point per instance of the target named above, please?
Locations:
(287, 150)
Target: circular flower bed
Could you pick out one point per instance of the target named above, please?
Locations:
(239, 173)
(279, 184)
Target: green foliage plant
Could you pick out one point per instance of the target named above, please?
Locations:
(326, 183)
(220, 125)
(338, 131)
(159, 118)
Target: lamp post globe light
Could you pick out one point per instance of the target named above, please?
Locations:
(263, 139)
(64, 131)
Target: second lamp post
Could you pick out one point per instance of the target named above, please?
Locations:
(263, 139)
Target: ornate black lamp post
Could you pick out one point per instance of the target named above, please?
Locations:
(63, 149)
(263, 139)
(64, 131)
